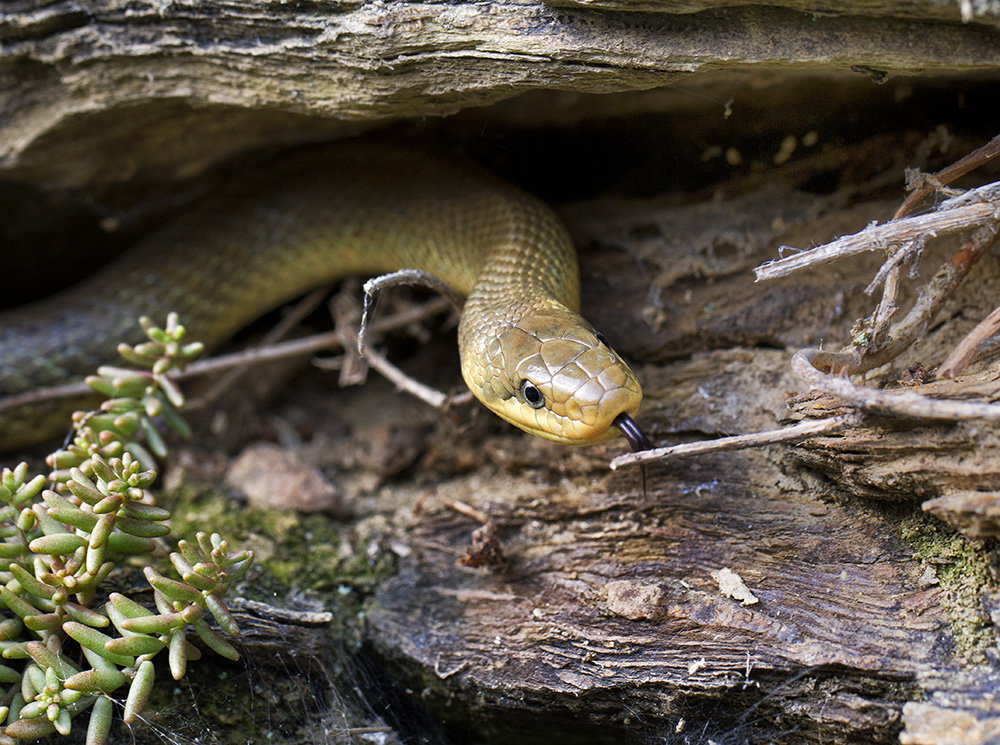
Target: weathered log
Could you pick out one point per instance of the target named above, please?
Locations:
(605, 620)
(920, 10)
(188, 84)
(606, 612)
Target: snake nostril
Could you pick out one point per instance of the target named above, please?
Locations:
(635, 436)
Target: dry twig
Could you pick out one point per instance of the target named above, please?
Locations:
(806, 364)
(903, 238)
(793, 433)
(965, 351)
(258, 355)
(409, 278)
(969, 210)
(946, 175)
(866, 354)
(378, 361)
(405, 383)
(921, 185)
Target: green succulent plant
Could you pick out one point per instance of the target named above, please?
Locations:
(58, 546)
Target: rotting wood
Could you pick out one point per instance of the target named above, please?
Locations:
(952, 467)
(840, 601)
(926, 10)
(187, 84)
(902, 459)
(852, 625)
(963, 709)
(606, 609)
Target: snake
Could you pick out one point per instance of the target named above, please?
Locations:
(294, 222)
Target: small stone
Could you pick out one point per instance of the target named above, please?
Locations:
(929, 578)
(273, 478)
(635, 600)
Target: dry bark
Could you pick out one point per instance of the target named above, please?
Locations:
(902, 459)
(920, 10)
(603, 620)
(606, 612)
(187, 84)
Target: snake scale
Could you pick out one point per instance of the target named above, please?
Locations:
(316, 216)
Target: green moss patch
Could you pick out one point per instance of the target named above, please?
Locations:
(962, 567)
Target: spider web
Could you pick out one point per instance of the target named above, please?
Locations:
(342, 700)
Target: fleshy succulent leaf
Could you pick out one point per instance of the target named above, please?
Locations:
(58, 545)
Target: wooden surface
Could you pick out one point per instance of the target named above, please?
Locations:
(919, 9)
(875, 622)
(189, 84)
(604, 622)
(842, 631)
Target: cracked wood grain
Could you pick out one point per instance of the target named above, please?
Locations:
(187, 84)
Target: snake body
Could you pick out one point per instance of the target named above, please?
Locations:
(317, 216)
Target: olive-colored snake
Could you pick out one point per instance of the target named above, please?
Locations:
(320, 215)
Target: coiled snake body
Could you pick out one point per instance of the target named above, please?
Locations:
(314, 217)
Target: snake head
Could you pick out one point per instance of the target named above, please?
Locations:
(552, 375)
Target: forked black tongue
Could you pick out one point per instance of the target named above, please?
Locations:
(636, 438)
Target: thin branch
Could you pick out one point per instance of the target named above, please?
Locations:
(973, 208)
(806, 364)
(366, 730)
(889, 271)
(465, 509)
(345, 309)
(931, 298)
(882, 319)
(793, 433)
(284, 350)
(946, 175)
(380, 362)
(966, 350)
(408, 277)
(405, 383)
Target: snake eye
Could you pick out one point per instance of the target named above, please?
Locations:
(600, 337)
(531, 394)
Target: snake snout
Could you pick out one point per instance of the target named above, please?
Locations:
(590, 392)
(552, 375)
